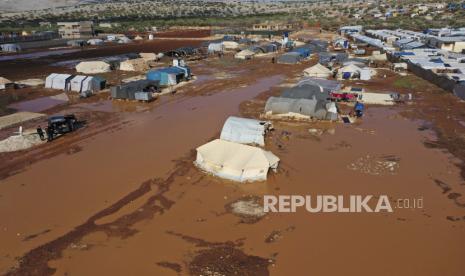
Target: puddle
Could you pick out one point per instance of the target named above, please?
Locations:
(38, 54)
(39, 105)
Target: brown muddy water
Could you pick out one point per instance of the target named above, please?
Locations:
(130, 201)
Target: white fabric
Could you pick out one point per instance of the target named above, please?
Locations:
(317, 71)
(93, 67)
(230, 45)
(244, 54)
(376, 98)
(76, 83)
(235, 161)
(56, 81)
(138, 64)
(244, 131)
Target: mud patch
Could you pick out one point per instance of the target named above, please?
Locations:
(248, 208)
(227, 260)
(173, 266)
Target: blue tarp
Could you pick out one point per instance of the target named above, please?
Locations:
(303, 52)
(168, 75)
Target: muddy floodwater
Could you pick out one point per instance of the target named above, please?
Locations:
(122, 197)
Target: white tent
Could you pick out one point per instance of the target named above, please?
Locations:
(93, 67)
(351, 70)
(76, 83)
(245, 131)
(95, 41)
(317, 71)
(215, 47)
(124, 40)
(244, 54)
(138, 64)
(230, 45)
(234, 161)
(57, 81)
(148, 56)
(4, 82)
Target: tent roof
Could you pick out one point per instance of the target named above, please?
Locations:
(327, 85)
(4, 81)
(244, 130)
(317, 69)
(350, 68)
(236, 156)
(306, 91)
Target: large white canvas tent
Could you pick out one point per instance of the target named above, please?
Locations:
(235, 161)
(245, 131)
(317, 71)
(138, 64)
(300, 108)
(245, 54)
(230, 45)
(58, 81)
(93, 67)
(85, 83)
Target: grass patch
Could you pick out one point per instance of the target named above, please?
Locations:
(407, 82)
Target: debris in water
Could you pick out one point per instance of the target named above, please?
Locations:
(376, 165)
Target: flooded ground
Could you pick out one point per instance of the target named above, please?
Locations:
(122, 196)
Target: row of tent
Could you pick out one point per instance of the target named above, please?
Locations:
(234, 156)
(77, 83)
(10, 48)
(258, 49)
(309, 99)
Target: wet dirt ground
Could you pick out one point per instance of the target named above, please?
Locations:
(122, 196)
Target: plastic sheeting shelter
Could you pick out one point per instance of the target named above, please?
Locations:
(129, 90)
(11, 48)
(317, 71)
(303, 51)
(301, 108)
(290, 58)
(306, 91)
(93, 67)
(58, 81)
(169, 75)
(245, 131)
(235, 161)
(327, 85)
